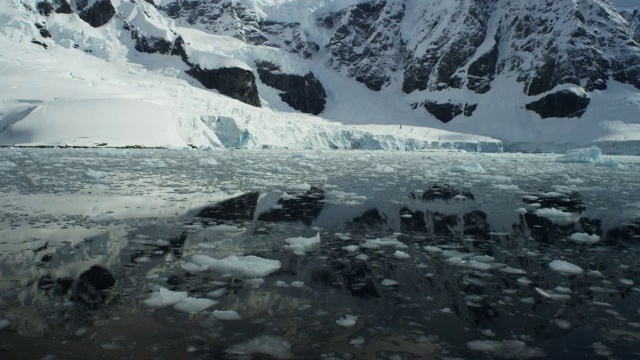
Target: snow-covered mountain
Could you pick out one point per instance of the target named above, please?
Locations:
(378, 74)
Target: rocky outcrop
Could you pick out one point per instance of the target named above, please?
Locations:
(633, 17)
(365, 41)
(97, 14)
(561, 104)
(234, 82)
(446, 112)
(303, 93)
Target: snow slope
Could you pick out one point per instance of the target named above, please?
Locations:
(118, 84)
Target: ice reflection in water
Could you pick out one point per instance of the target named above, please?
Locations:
(423, 262)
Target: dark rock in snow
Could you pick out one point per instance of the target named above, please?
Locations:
(442, 192)
(233, 82)
(371, 219)
(98, 14)
(43, 31)
(151, 44)
(448, 111)
(561, 104)
(45, 8)
(303, 93)
(91, 287)
(63, 7)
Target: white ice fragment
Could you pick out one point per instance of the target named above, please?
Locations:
(299, 187)
(487, 332)
(281, 283)
(381, 168)
(191, 349)
(524, 281)
(562, 324)
(565, 268)
(510, 270)
(193, 305)
(362, 257)
(557, 216)
(432, 249)
(592, 155)
(300, 244)
(584, 238)
(507, 349)
(357, 341)
(165, 297)
(552, 295)
(208, 162)
(628, 282)
(468, 167)
(521, 211)
(246, 266)
(400, 255)
(351, 248)
(297, 284)
(388, 241)
(273, 346)
(191, 267)
(222, 228)
(217, 293)
(4, 323)
(228, 315)
(347, 321)
(94, 174)
(388, 282)
(143, 259)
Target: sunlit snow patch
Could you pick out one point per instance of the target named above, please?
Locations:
(273, 346)
(245, 266)
(300, 244)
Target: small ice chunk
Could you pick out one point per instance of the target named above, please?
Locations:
(508, 349)
(281, 283)
(351, 248)
(4, 323)
(432, 249)
(191, 267)
(300, 244)
(143, 259)
(562, 324)
(347, 321)
(165, 297)
(557, 216)
(217, 293)
(229, 315)
(381, 168)
(247, 266)
(584, 238)
(299, 187)
(628, 282)
(565, 268)
(222, 228)
(515, 271)
(193, 305)
(208, 162)
(297, 284)
(94, 174)
(400, 255)
(362, 257)
(388, 282)
(192, 349)
(388, 241)
(468, 167)
(524, 281)
(487, 332)
(273, 346)
(357, 341)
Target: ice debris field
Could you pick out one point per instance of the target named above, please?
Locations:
(318, 254)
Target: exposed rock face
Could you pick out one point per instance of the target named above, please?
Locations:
(229, 17)
(97, 14)
(303, 93)
(236, 83)
(446, 112)
(365, 41)
(633, 17)
(561, 104)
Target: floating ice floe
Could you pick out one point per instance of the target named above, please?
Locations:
(351, 248)
(388, 241)
(347, 321)
(95, 174)
(208, 162)
(592, 155)
(245, 266)
(222, 228)
(565, 268)
(299, 245)
(508, 349)
(191, 267)
(381, 168)
(550, 294)
(468, 167)
(297, 284)
(217, 293)
(193, 305)
(388, 282)
(273, 346)
(228, 315)
(557, 216)
(584, 238)
(401, 255)
(165, 297)
(299, 187)
(4, 323)
(562, 324)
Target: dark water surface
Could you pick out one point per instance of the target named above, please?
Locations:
(434, 255)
